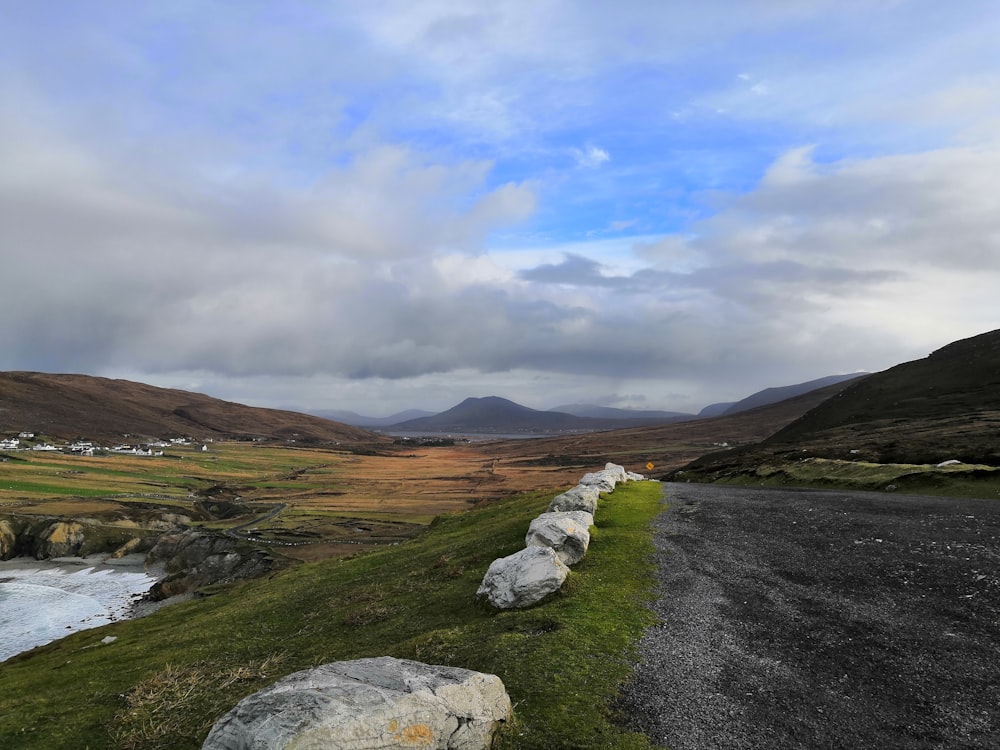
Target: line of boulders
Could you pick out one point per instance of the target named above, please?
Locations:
(386, 702)
(555, 540)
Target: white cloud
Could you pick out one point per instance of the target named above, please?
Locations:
(591, 157)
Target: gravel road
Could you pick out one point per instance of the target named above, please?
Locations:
(821, 620)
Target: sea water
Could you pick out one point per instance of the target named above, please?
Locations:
(41, 602)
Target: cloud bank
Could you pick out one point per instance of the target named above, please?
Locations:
(414, 219)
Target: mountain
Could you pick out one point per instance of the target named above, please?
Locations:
(945, 406)
(782, 393)
(716, 410)
(81, 406)
(493, 414)
(666, 446)
(608, 412)
(359, 420)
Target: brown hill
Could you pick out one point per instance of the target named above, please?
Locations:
(66, 407)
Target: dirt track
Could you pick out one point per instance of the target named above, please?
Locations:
(821, 620)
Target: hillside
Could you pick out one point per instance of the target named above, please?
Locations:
(943, 407)
(783, 393)
(81, 406)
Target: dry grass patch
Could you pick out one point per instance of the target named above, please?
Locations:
(157, 711)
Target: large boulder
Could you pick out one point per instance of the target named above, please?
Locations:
(523, 579)
(366, 704)
(566, 532)
(616, 472)
(606, 479)
(580, 497)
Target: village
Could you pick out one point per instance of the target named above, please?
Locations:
(29, 441)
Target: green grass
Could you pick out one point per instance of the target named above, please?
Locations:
(963, 480)
(169, 676)
(52, 489)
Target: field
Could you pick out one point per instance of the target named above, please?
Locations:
(303, 503)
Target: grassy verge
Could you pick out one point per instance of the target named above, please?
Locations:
(961, 480)
(169, 676)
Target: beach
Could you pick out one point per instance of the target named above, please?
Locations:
(44, 600)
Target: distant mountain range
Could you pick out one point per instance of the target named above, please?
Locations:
(494, 415)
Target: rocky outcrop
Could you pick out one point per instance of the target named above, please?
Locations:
(366, 704)
(46, 537)
(194, 559)
(566, 532)
(8, 540)
(60, 539)
(523, 579)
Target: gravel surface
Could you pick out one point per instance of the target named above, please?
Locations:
(807, 619)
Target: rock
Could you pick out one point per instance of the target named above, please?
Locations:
(566, 532)
(581, 497)
(8, 540)
(365, 704)
(606, 479)
(616, 472)
(60, 539)
(193, 559)
(598, 479)
(633, 477)
(523, 579)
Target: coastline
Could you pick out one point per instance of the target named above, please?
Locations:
(44, 600)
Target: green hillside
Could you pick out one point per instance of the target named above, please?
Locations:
(946, 406)
(167, 677)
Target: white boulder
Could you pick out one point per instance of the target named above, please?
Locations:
(367, 704)
(606, 479)
(566, 532)
(523, 579)
(581, 497)
(616, 472)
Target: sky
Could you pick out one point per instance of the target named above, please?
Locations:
(388, 205)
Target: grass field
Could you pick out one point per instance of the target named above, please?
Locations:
(169, 676)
